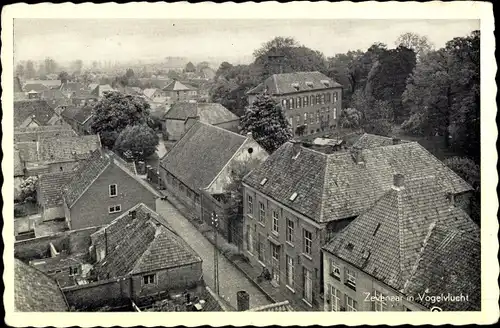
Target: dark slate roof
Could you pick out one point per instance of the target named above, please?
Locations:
(141, 245)
(70, 112)
(36, 292)
(18, 164)
(450, 263)
(53, 94)
(50, 188)
(210, 113)
(72, 86)
(275, 307)
(61, 149)
(372, 140)
(333, 186)
(42, 132)
(38, 109)
(200, 154)
(83, 114)
(177, 86)
(38, 87)
(278, 84)
(386, 241)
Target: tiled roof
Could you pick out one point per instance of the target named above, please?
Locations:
(87, 173)
(372, 140)
(38, 87)
(18, 164)
(149, 92)
(53, 94)
(36, 292)
(278, 84)
(200, 154)
(41, 132)
(51, 84)
(50, 188)
(70, 112)
(92, 86)
(67, 148)
(83, 114)
(101, 89)
(386, 241)
(72, 86)
(19, 96)
(141, 245)
(210, 113)
(28, 151)
(177, 86)
(38, 109)
(276, 307)
(333, 186)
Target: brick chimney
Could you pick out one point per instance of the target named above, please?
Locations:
(451, 198)
(132, 214)
(297, 146)
(399, 181)
(396, 141)
(357, 155)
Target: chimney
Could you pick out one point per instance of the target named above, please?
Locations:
(396, 141)
(243, 300)
(357, 155)
(249, 134)
(399, 181)
(451, 198)
(297, 145)
(132, 214)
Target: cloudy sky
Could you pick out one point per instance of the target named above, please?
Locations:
(131, 39)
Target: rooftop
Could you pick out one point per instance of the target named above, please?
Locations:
(50, 188)
(278, 84)
(36, 133)
(177, 86)
(60, 149)
(39, 110)
(372, 140)
(210, 113)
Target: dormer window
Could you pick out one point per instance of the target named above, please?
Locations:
(326, 83)
(294, 195)
(295, 86)
(263, 181)
(113, 190)
(309, 84)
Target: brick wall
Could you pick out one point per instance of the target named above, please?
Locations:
(92, 209)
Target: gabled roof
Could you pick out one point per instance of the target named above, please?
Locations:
(92, 86)
(372, 140)
(62, 149)
(201, 153)
(149, 92)
(38, 109)
(278, 84)
(53, 94)
(38, 87)
(70, 112)
(72, 86)
(333, 186)
(36, 292)
(101, 89)
(210, 113)
(140, 245)
(177, 86)
(51, 84)
(83, 114)
(42, 132)
(50, 188)
(390, 240)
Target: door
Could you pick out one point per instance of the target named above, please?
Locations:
(275, 262)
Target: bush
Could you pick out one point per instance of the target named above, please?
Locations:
(19, 212)
(379, 127)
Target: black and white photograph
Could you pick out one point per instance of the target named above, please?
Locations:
(262, 164)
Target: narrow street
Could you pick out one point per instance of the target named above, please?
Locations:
(230, 278)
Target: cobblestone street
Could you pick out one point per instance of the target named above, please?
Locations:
(231, 279)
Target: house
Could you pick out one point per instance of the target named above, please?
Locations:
(79, 118)
(72, 88)
(101, 189)
(37, 87)
(49, 84)
(175, 121)
(178, 91)
(153, 93)
(198, 169)
(36, 292)
(49, 194)
(299, 198)
(33, 113)
(135, 257)
(42, 132)
(99, 90)
(372, 140)
(312, 102)
(413, 241)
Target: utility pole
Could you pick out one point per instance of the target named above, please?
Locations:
(215, 224)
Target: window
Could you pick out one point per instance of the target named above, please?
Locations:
(298, 120)
(293, 196)
(275, 256)
(290, 121)
(350, 279)
(261, 248)
(101, 253)
(250, 204)
(380, 303)
(334, 299)
(283, 103)
(351, 304)
(290, 272)
(249, 239)
(149, 279)
(275, 222)
(334, 269)
(305, 118)
(317, 116)
(299, 102)
(289, 230)
(328, 98)
(181, 187)
(189, 193)
(312, 100)
(322, 98)
(318, 99)
(262, 212)
(73, 271)
(291, 103)
(311, 117)
(113, 190)
(335, 113)
(115, 209)
(307, 242)
(307, 286)
(335, 97)
(306, 101)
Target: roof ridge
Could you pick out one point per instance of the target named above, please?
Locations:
(400, 214)
(324, 187)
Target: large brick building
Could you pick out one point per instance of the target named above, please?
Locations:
(299, 198)
(312, 102)
(414, 241)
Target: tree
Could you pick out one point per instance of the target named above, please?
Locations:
(20, 70)
(267, 123)
(420, 44)
(171, 74)
(137, 142)
(130, 73)
(30, 69)
(64, 77)
(116, 111)
(28, 189)
(350, 118)
(190, 68)
(202, 65)
(77, 66)
(50, 66)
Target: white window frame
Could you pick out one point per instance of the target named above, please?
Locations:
(261, 252)
(146, 279)
(249, 239)
(307, 245)
(308, 286)
(350, 304)
(262, 212)
(334, 299)
(113, 209)
(290, 230)
(334, 113)
(250, 204)
(116, 190)
(350, 278)
(290, 272)
(334, 269)
(335, 97)
(305, 118)
(275, 226)
(379, 303)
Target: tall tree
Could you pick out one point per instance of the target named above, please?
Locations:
(190, 68)
(420, 44)
(30, 69)
(130, 73)
(77, 66)
(64, 77)
(266, 121)
(137, 142)
(114, 112)
(50, 66)
(20, 70)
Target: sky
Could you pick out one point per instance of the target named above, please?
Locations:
(141, 39)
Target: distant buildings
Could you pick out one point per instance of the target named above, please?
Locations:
(79, 118)
(178, 91)
(35, 113)
(311, 101)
